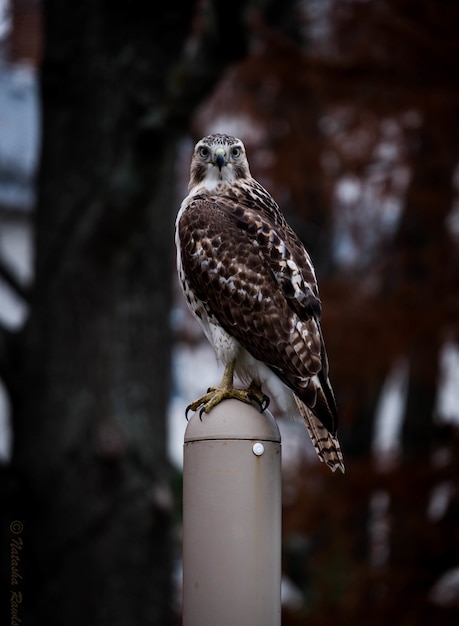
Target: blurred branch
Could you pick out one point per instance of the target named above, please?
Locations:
(221, 39)
(8, 352)
(13, 282)
(422, 33)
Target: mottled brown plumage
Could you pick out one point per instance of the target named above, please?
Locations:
(250, 283)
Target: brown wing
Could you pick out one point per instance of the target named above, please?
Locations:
(253, 274)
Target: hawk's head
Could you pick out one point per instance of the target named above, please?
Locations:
(217, 159)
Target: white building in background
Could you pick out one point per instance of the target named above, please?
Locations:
(19, 147)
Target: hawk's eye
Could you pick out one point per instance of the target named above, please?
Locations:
(235, 152)
(204, 152)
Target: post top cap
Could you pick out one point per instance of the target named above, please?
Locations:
(233, 419)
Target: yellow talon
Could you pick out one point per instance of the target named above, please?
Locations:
(225, 390)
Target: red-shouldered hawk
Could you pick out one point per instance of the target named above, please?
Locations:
(250, 283)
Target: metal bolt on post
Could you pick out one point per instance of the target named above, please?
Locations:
(232, 518)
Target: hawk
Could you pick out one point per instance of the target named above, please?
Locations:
(250, 283)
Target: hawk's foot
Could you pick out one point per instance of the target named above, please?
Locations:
(255, 394)
(215, 395)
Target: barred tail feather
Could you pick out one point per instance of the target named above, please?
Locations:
(326, 445)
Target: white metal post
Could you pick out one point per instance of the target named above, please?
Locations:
(232, 518)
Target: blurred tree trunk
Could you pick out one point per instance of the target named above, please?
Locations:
(90, 440)
(423, 269)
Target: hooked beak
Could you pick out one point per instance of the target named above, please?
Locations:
(220, 159)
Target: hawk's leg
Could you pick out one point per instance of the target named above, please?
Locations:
(226, 389)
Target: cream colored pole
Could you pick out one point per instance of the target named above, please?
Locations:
(232, 518)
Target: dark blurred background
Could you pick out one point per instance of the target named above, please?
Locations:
(349, 110)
